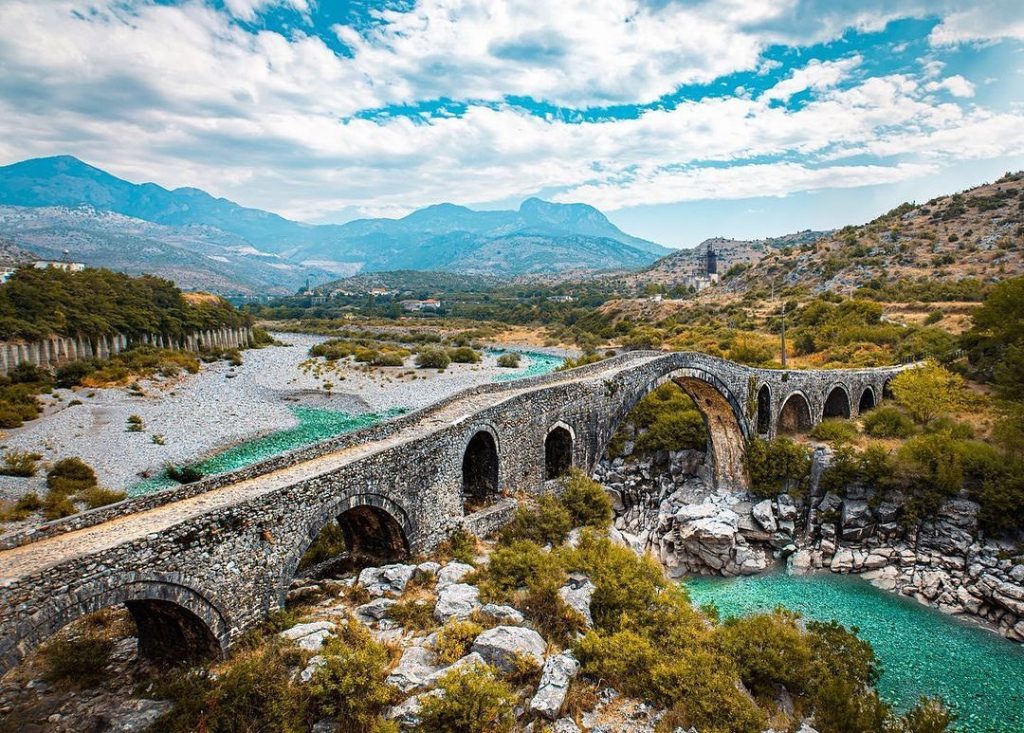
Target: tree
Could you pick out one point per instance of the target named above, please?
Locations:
(995, 343)
(928, 391)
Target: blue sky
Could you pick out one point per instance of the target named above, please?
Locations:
(681, 119)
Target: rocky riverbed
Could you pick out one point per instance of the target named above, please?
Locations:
(198, 415)
(665, 504)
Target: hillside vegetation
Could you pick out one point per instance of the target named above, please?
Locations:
(93, 302)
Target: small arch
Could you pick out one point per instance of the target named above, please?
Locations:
(887, 390)
(480, 470)
(764, 409)
(373, 528)
(558, 451)
(169, 632)
(795, 415)
(867, 401)
(837, 404)
(372, 535)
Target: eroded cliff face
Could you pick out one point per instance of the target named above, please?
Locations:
(665, 504)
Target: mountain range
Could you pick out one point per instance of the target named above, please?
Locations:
(48, 205)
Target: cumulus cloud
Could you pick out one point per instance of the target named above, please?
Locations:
(186, 95)
(989, 20)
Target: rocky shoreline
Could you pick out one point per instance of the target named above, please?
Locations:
(664, 504)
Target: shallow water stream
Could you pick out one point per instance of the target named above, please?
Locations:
(922, 651)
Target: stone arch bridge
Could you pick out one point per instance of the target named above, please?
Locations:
(200, 564)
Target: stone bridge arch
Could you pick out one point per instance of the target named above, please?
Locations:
(795, 414)
(724, 420)
(559, 448)
(174, 621)
(764, 409)
(372, 524)
(837, 402)
(867, 400)
(481, 465)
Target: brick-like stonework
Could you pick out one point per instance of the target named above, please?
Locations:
(225, 549)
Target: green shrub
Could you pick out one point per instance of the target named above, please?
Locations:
(548, 522)
(135, 424)
(928, 716)
(82, 660)
(58, 505)
(513, 566)
(777, 466)
(69, 475)
(835, 430)
(464, 355)
(509, 361)
(329, 543)
(20, 463)
(952, 428)
(432, 358)
(674, 432)
(475, 700)
(183, 474)
(934, 317)
(455, 638)
(552, 617)
(413, 614)
(96, 497)
(586, 500)
(72, 373)
(254, 693)
(769, 650)
(887, 422)
(350, 687)
(460, 545)
(389, 359)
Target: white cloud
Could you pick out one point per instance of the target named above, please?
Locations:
(185, 96)
(956, 85)
(817, 75)
(983, 21)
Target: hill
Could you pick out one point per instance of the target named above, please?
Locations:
(674, 267)
(538, 237)
(975, 236)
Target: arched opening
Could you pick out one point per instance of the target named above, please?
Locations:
(557, 452)
(795, 416)
(726, 442)
(373, 536)
(479, 471)
(171, 633)
(171, 623)
(867, 401)
(837, 404)
(887, 390)
(764, 410)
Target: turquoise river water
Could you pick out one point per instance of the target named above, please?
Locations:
(318, 424)
(922, 651)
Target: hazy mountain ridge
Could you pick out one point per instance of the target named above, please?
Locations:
(441, 237)
(195, 257)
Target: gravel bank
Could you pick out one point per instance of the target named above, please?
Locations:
(202, 414)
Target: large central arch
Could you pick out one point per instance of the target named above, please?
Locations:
(723, 419)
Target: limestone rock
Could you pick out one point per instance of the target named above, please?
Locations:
(576, 594)
(505, 614)
(375, 610)
(456, 600)
(559, 670)
(417, 666)
(134, 716)
(565, 725)
(452, 573)
(500, 646)
(311, 667)
(765, 516)
(309, 636)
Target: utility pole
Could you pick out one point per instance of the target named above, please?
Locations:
(783, 335)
